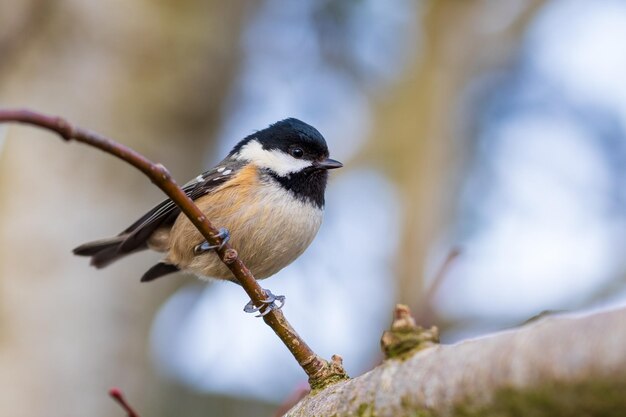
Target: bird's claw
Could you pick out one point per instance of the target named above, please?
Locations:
(272, 302)
(224, 236)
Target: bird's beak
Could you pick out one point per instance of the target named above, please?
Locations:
(328, 164)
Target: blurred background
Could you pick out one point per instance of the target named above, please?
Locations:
(493, 129)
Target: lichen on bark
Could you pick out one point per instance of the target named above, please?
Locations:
(405, 337)
(569, 365)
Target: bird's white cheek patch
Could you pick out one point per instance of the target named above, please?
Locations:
(280, 162)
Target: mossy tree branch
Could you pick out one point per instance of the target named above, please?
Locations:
(319, 371)
(568, 365)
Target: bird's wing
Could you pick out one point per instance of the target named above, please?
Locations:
(165, 213)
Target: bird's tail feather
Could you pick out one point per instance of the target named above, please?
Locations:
(159, 270)
(105, 251)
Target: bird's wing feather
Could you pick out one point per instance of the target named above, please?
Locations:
(165, 213)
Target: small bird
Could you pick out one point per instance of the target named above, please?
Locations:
(268, 193)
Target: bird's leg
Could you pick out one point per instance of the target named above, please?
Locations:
(224, 236)
(272, 302)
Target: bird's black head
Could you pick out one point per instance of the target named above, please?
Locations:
(294, 137)
(293, 153)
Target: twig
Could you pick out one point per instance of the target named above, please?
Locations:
(118, 396)
(424, 312)
(442, 273)
(319, 371)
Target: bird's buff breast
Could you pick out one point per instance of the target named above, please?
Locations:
(269, 228)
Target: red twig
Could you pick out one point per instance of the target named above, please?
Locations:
(118, 396)
(319, 371)
(299, 393)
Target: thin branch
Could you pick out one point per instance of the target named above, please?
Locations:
(319, 371)
(442, 273)
(118, 396)
(425, 313)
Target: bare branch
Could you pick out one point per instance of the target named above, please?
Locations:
(319, 371)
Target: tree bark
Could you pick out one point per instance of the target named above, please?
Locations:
(561, 365)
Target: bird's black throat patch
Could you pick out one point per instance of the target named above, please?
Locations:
(307, 185)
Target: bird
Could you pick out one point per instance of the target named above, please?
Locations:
(266, 196)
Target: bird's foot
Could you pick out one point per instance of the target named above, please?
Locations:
(272, 302)
(224, 236)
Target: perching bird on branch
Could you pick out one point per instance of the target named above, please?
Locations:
(268, 192)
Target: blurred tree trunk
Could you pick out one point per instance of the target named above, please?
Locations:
(150, 74)
(419, 129)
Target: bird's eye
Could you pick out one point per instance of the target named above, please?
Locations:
(297, 153)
